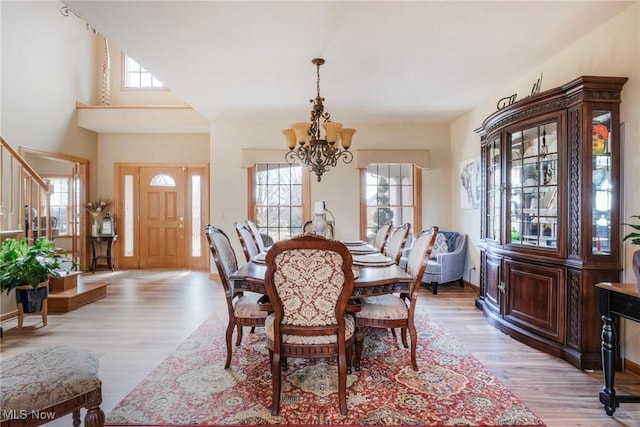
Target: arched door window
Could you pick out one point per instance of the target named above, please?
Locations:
(162, 180)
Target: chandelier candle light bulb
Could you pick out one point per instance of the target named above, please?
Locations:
(306, 144)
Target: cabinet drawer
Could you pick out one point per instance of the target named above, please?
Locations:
(535, 298)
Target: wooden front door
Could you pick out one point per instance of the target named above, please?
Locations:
(162, 211)
(162, 217)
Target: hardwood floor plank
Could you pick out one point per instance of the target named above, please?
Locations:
(148, 313)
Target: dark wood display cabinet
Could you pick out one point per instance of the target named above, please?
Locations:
(550, 216)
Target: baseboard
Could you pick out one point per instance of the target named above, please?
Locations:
(9, 315)
(214, 276)
(632, 367)
(470, 285)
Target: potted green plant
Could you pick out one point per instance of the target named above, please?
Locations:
(634, 236)
(26, 268)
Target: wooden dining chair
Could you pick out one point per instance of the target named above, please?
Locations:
(244, 309)
(397, 311)
(382, 235)
(397, 240)
(257, 237)
(309, 281)
(395, 245)
(247, 242)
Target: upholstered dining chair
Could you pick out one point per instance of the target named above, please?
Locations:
(309, 281)
(243, 309)
(247, 242)
(382, 235)
(393, 311)
(255, 233)
(397, 240)
(395, 246)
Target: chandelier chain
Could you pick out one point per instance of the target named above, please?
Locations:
(318, 79)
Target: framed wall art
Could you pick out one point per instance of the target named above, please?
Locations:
(470, 181)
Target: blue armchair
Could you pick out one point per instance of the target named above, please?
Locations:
(447, 260)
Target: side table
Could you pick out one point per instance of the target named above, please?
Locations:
(97, 241)
(615, 300)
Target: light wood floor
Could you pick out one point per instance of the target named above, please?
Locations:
(146, 314)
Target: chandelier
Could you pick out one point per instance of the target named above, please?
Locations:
(317, 153)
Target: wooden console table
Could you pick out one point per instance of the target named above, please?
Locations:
(615, 300)
(95, 242)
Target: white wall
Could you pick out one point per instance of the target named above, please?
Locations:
(47, 65)
(613, 49)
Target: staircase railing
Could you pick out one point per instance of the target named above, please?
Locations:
(24, 197)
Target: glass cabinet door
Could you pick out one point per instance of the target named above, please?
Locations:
(533, 186)
(494, 193)
(601, 183)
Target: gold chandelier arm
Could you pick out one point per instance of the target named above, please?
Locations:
(319, 157)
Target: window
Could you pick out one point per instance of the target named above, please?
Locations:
(391, 192)
(279, 202)
(196, 215)
(162, 180)
(136, 76)
(129, 214)
(61, 202)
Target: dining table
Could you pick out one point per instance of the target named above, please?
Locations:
(372, 276)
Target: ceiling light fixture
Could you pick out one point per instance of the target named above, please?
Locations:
(317, 153)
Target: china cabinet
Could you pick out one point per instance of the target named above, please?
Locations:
(550, 215)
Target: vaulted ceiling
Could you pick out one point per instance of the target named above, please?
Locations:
(386, 61)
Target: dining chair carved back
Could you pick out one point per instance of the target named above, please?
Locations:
(255, 233)
(247, 242)
(397, 240)
(397, 311)
(382, 235)
(309, 281)
(243, 308)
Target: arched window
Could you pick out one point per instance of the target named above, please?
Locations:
(162, 180)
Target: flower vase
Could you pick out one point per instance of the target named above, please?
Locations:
(319, 223)
(95, 228)
(636, 267)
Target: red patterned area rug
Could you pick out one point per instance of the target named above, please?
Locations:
(451, 388)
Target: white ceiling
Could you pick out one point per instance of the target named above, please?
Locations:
(386, 61)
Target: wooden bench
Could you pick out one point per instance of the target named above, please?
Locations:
(47, 383)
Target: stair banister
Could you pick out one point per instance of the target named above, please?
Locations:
(21, 187)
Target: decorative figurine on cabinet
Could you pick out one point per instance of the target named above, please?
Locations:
(600, 135)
